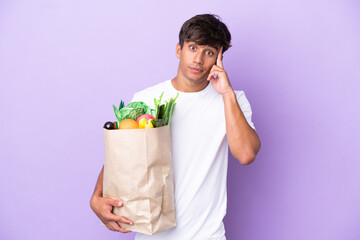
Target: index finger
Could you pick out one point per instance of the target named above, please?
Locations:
(219, 58)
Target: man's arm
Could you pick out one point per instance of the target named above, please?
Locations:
(243, 141)
(103, 207)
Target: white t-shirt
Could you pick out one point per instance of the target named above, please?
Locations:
(200, 158)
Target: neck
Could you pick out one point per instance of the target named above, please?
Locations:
(185, 85)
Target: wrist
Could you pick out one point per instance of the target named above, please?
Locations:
(96, 195)
(228, 94)
(94, 199)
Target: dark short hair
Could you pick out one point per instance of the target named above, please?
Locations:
(205, 29)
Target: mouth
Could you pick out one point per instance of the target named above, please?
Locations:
(196, 70)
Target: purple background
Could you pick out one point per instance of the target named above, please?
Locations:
(64, 63)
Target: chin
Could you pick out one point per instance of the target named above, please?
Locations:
(197, 80)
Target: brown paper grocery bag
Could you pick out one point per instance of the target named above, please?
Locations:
(138, 171)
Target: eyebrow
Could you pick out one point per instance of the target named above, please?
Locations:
(214, 48)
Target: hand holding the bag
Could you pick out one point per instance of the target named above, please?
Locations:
(103, 208)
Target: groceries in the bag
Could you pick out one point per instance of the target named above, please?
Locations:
(138, 115)
(109, 125)
(145, 121)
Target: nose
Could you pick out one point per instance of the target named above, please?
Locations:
(198, 58)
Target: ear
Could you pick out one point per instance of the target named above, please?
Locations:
(178, 50)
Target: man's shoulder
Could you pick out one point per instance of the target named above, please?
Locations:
(148, 94)
(161, 86)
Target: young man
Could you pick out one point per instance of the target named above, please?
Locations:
(209, 117)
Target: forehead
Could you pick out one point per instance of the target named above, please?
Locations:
(202, 46)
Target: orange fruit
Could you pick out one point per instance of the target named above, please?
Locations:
(128, 124)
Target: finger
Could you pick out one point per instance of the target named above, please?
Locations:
(109, 226)
(214, 68)
(219, 58)
(113, 217)
(212, 73)
(116, 227)
(113, 202)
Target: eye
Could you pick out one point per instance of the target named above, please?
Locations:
(192, 47)
(211, 53)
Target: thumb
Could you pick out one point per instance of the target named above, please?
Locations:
(113, 202)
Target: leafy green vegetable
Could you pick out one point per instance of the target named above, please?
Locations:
(158, 122)
(122, 104)
(116, 111)
(157, 106)
(133, 110)
(164, 111)
(146, 108)
(122, 113)
(135, 113)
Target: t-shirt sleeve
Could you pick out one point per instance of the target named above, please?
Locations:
(143, 97)
(245, 107)
(134, 98)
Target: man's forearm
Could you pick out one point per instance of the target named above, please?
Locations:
(243, 141)
(99, 184)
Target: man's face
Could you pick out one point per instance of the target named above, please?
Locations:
(196, 61)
